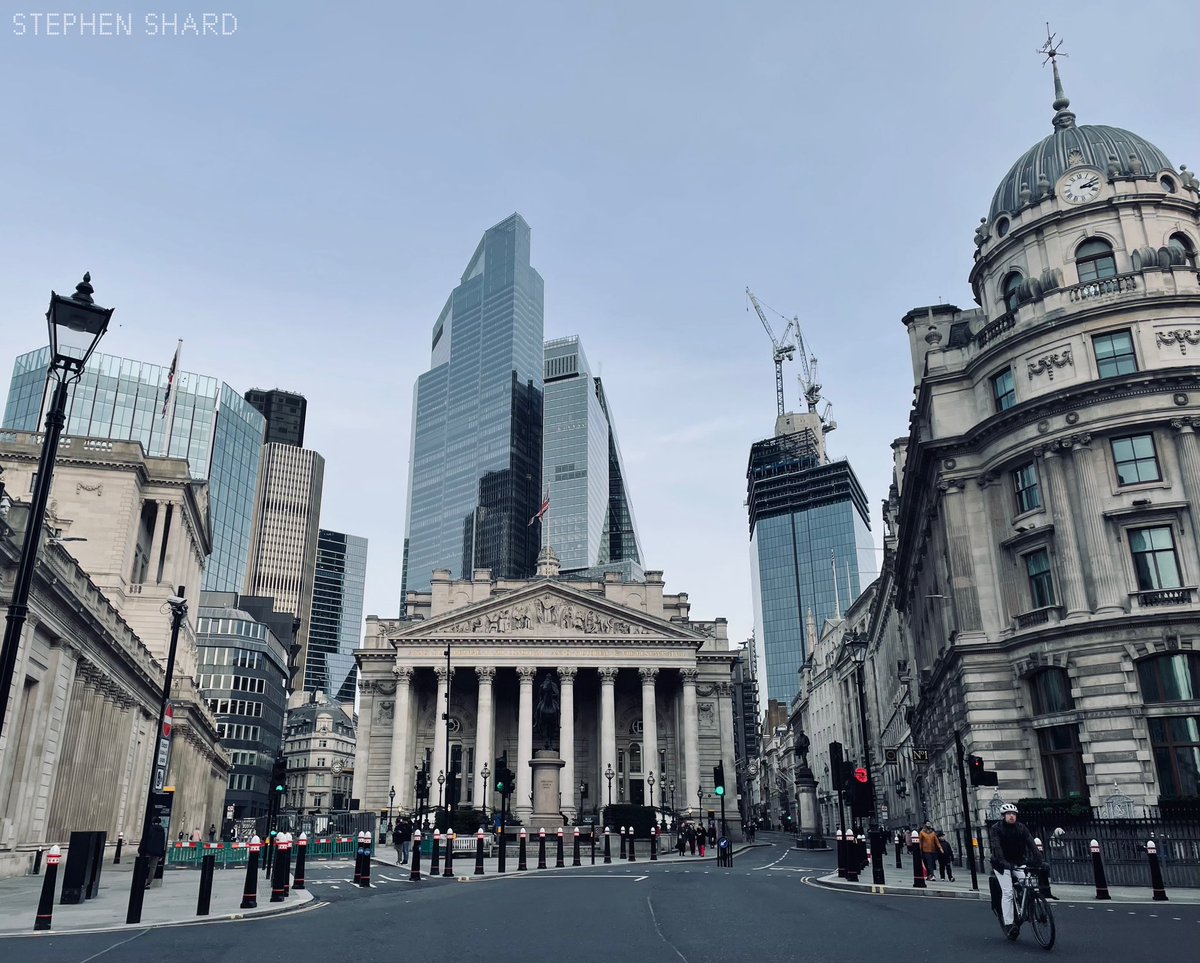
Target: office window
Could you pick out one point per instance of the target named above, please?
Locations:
(1094, 260)
(1154, 559)
(1011, 291)
(1114, 354)
(1025, 484)
(1175, 741)
(1004, 391)
(1135, 459)
(1041, 581)
(1174, 677)
(1051, 691)
(1062, 762)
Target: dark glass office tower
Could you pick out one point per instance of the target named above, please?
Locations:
(284, 411)
(810, 546)
(592, 528)
(476, 462)
(337, 615)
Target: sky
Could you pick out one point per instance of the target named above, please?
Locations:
(296, 193)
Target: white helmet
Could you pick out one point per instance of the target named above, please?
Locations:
(1008, 808)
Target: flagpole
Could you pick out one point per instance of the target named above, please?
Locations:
(174, 389)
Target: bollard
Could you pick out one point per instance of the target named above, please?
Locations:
(120, 846)
(607, 846)
(435, 860)
(1156, 876)
(522, 865)
(622, 834)
(285, 857)
(501, 862)
(878, 852)
(653, 844)
(414, 874)
(203, 901)
(479, 852)
(277, 891)
(448, 871)
(541, 864)
(1098, 871)
(918, 866)
(850, 856)
(632, 846)
(45, 910)
(250, 894)
(558, 857)
(593, 836)
(575, 851)
(301, 856)
(1044, 873)
(365, 881)
(841, 855)
(899, 861)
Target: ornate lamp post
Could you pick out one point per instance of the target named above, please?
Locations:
(76, 326)
(650, 783)
(487, 774)
(441, 783)
(608, 774)
(391, 803)
(672, 795)
(582, 797)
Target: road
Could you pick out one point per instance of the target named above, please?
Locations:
(765, 908)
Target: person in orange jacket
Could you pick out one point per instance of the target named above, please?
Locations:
(931, 848)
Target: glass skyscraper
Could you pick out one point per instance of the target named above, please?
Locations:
(476, 461)
(205, 421)
(592, 528)
(337, 615)
(810, 547)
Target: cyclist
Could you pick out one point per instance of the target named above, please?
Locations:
(1012, 846)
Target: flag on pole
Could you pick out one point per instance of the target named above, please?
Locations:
(544, 508)
(171, 380)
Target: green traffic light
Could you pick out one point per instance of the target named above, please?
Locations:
(720, 790)
(280, 789)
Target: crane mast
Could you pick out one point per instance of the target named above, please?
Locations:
(783, 349)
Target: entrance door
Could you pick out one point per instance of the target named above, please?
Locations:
(637, 792)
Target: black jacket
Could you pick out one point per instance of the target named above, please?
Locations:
(1012, 846)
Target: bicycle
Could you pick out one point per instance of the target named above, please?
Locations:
(1029, 906)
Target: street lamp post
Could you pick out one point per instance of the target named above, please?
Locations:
(487, 774)
(856, 646)
(650, 783)
(76, 326)
(446, 721)
(441, 783)
(141, 864)
(391, 803)
(582, 797)
(672, 795)
(699, 803)
(608, 774)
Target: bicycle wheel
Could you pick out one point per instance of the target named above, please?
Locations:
(1041, 919)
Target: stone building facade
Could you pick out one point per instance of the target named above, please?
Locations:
(641, 687)
(318, 743)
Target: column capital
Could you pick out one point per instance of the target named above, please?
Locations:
(1185, 425)
(608, 675)
(402, 673)
(648, 674)
(724, 688)
(689, 676)
(443, 675)
(567, 673)
(485, 673)
(526, 673)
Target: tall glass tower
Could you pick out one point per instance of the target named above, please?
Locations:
(205, 421)
(592, 529)
(337, 615)
(810, 545)
(476, 461)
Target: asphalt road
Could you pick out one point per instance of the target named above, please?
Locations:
(762, 909)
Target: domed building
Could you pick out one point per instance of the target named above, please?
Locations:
(1043, 548)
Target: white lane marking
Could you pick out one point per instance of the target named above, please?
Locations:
(779, 860)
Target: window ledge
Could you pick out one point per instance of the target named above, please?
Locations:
(1042, 616)
(1151, 509)
(1159, 598)
(1029, 535)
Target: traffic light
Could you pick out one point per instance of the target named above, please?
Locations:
(279, 775)
(505, 777)
(862, 793)
(719, 779)
(980, 776)
(422, 783)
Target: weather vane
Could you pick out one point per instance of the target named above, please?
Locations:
(1050, 49)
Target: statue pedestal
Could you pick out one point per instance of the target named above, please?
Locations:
(547, 774)
(806, 788)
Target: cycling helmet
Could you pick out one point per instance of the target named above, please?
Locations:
(1008, 808)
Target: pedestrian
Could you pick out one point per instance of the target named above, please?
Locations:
(196, 837)
(691, 839)
(212, 833)
(154, 847)
(930, 848)
(680, 843)
(945, 857)
(406, 832)
(701, 838)
(181, 836)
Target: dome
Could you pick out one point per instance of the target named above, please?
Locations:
(1040, 167)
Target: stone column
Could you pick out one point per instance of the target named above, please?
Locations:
(484, 733)
(1070, 565)
(1089, 468)
(173, 540)
(728, 755)
(649, 726)
(690, 725)
(608, 726)
(963, 587)
(441, 704)
(1187, 447)
(523, 806)
(401, 771)
(160, 512)
(566, 738)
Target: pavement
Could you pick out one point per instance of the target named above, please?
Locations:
(172, 903)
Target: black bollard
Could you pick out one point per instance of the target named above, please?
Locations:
(899, 860)
(522, 865)
(448, 871)
(632, 846)
(286, 855)
(653, 844)
(435, 860)
(117, 854)
(1098, 871)
(878, 850)
(541, 864)
(841, 855)
(593, 835)
(479, 852)
(301, 856)
(414, 874)
(502, 856)
(1156, 876)
(623, 842)
(250, 896)
(207, 863)
(918, 866)
(558, 858)
(607, 846)
(365, 881)
(277, 890)
(850, 856)
(575, 850)
(45, 910)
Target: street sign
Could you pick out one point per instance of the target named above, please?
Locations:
(168, 719)
(164, 750)
(883, 812)
(229, 812)
(891, 755)
(920, 755)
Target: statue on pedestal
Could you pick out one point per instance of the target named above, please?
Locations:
(545, 713)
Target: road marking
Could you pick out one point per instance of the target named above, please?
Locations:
(779, 860)
(115, 945)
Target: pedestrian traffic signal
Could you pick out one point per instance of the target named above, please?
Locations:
(979, 772)
(862, 793)
(861, 775)
(719, 779)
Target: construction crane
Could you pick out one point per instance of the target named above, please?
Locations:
(785, 350)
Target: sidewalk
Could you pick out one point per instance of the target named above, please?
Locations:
(900, 883)
(171, 904)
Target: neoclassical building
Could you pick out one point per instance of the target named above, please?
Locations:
(639, 685)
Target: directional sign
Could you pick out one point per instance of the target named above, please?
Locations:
(168, 720)
(920, 755)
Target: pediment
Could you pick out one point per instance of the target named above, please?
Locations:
(547, 610)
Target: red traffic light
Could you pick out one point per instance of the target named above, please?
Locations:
(861, 775)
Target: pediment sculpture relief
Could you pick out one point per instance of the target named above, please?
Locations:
(551, 612)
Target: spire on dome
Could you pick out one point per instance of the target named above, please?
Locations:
(1063, 118)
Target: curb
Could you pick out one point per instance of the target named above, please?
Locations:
(875, 889)
(308, 904)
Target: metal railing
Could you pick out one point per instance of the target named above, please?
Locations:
(1175, 596)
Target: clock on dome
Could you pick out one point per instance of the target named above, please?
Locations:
(1080, 186)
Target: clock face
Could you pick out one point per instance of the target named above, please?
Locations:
(338, 765)
(1081, 187)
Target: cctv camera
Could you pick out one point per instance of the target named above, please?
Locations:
(176, 600)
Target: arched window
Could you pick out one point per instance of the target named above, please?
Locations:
(1009, 291)
(1183, 244)
(1094, 260)
(1173, 677)
(1051, 691)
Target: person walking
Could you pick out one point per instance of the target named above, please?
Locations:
(690, 832)
(680, 843)
(154, 848)
(930, 848)
(945, 857)
(212, 833)
(406, 832)
(701, 838)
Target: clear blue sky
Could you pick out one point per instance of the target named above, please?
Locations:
(296, 200)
